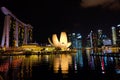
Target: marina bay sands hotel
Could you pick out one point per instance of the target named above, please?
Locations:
(15, 32)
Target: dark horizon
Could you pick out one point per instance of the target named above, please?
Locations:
(49, 17)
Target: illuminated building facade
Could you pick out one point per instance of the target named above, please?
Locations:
(76, 40)
(100, 38)
(95, 40)
(62, 44)
(107, 42)
(15, 32)
(114, 37)
(92, 39)
(118, 35)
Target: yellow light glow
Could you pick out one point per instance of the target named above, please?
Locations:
(62, 43)
(63, 62)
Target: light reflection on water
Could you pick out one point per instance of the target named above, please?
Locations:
(62, 62)
(24, 67)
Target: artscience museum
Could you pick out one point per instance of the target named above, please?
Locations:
(61, 43)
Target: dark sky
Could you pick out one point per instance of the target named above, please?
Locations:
(53, 16)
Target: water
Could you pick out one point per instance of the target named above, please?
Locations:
(65, 66)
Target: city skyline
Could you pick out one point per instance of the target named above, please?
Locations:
(53, 17)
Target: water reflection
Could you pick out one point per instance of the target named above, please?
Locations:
(105, 64)
(62, 62)
(79, 59)
(28, 67)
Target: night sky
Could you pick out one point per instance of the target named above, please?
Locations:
(53, 16)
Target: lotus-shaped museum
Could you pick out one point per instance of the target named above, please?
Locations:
(61, 43)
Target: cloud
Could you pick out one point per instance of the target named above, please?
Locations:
(110, 4)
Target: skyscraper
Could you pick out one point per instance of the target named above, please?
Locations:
(118, 35)
(76, 40)
(114, 37)
(100, 38)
